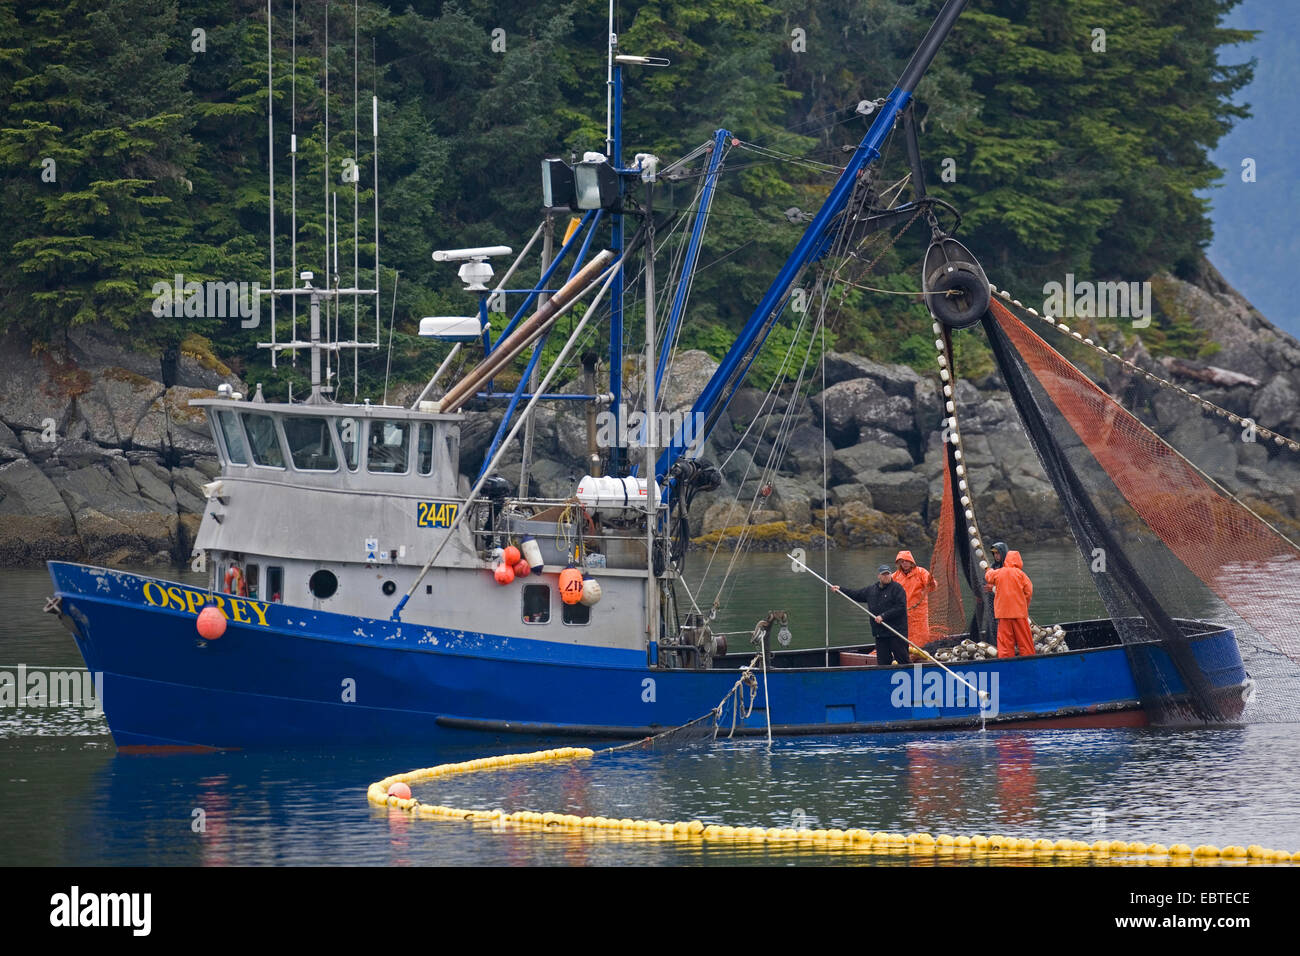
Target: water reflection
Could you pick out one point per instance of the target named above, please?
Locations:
(1017, 781)
(309, 808)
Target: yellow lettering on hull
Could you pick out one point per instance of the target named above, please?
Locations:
(176, 598)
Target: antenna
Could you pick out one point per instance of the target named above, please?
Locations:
(612, 40)
(293, 183)
(270, 160)
(302, 283)
(356, 222)
(327, 145)
(374, 161)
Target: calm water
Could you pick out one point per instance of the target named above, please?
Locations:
(72, 800)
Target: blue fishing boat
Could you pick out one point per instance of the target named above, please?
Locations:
(357, 594)
(291, 676)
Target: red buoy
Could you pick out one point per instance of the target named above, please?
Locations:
(571, 585)
(511, 555)
(400, 790)
(522, 570)
(211, 623)
(504, 574)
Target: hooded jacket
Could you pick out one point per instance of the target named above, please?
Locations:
(918, 583)
(1014, 589)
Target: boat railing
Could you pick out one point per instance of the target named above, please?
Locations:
(565, 530)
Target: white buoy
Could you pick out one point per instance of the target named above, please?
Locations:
(532, 553)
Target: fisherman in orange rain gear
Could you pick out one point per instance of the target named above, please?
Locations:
(1012, 593)
(235, 582)
(918, 583)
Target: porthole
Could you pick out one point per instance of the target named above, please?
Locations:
(389, 587)
(323, 584)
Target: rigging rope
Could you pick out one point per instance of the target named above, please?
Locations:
(1206, 405)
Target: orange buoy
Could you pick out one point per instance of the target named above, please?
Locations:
(511, 555)
(571, 585)
(522, 570)
(504, 574)
(400, 790)
(211, 623)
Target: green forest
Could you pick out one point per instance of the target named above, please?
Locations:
(1073, 135)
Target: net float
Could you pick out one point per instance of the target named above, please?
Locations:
(570, 585)
(532, 553)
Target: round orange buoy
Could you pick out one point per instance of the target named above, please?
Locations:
(504, 574)
(571, 585)
(511, 555)
(211, 623)
(522, 570)
(400, 790)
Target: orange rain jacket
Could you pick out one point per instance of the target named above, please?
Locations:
(1015, 590)
(918, 584)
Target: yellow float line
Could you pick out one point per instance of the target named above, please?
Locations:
(878, 841)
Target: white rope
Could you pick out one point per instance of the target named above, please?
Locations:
(1191, 464)
(694, 603)
(767, 700)
(1206, 404)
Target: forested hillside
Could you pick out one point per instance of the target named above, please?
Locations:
(134, 145)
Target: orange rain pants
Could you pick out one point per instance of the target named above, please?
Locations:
(1014, 635)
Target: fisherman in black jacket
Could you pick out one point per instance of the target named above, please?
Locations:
(887, 602)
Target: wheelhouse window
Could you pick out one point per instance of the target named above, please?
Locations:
(424, 449)
(390, 443)
(274, 584)
(350, 441)
(233, 436)
(252, 581)
(310, 444)
(576, 614)
(537, 603)
(263, 441)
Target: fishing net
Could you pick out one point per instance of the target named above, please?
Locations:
(947, 611)
(1167, 547)
(954, 561)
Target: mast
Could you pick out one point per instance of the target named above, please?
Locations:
(614, 142)
(651, 584)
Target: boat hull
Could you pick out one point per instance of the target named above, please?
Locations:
(287, 677)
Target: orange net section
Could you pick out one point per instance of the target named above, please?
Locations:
(947, 615)
(1166, 502)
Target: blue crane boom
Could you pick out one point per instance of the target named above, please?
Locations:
(713, 400)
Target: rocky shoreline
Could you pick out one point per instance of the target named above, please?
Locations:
(103, 460)
(101, 457)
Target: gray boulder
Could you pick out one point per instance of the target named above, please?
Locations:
(1277, 404)
(850, 462)
(897, 380)
(896, 492)
(852, 405)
